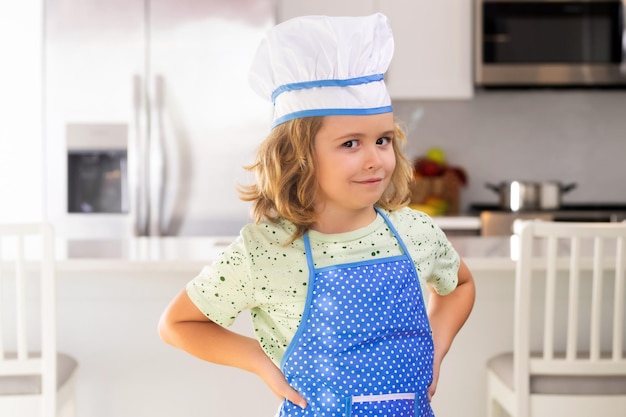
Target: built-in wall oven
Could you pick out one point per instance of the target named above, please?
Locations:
(549, 43)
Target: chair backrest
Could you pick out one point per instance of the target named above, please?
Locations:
(569, 281)
(27, 307)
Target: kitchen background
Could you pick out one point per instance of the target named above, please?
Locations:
(568, 135)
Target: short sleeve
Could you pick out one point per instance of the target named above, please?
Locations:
(444, 276)
(436, 261)
(221, 290)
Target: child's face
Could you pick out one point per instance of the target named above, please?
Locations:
(354, 160)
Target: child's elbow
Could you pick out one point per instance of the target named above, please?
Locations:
(166, 329)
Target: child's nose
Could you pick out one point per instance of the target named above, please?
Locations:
(373, 158)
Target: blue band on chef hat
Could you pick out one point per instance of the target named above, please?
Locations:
(331, 112)
(326, 83)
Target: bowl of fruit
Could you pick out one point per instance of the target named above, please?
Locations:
(436, 185)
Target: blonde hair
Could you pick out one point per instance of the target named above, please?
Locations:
(285, 176)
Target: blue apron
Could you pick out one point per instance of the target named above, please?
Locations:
(364, 345)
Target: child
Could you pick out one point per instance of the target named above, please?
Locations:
(331, 269)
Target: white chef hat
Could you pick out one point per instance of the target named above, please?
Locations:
(321, 66)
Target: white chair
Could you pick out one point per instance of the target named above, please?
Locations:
(35, 379)
(568, 355)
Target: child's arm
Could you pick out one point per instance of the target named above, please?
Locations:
(447, 314)
(183, 326)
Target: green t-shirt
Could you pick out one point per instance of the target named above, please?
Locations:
(260, 273)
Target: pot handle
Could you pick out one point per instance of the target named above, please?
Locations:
(493, 187)
(568, 187)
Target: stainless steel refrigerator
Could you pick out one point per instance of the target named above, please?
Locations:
(149, 118)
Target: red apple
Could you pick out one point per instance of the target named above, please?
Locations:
(428, 168)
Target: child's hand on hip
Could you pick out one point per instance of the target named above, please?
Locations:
(275, 380)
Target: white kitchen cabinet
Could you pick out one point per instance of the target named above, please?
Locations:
(433, 42)
(292, 8)
(432, 58)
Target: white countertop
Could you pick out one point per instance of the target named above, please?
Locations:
(192, 253)
(458, 222)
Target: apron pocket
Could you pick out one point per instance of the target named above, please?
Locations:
(401, 405)
(322, 401)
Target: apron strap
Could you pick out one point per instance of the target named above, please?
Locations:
(393, 230)
(307, 251)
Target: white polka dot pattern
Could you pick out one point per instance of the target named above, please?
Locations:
(366, 332)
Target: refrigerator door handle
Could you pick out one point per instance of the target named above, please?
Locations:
(158, 164)
(137, 160)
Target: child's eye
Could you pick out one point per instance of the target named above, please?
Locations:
(383, 141)
(350, 144)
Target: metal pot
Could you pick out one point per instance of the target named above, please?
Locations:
(517, 195)
(526, 196)
(551, 193)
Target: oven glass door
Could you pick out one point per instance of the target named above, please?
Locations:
(552, 32)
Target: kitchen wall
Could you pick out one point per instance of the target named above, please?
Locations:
(567, 135)
(21, 31)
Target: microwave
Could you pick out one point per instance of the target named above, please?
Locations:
(549, 43)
